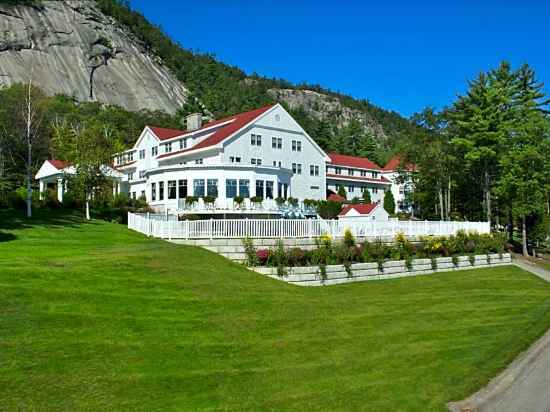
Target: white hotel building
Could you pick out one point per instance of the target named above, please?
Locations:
(263, 153)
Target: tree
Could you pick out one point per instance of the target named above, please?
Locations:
(389, 202)
(89, 147)
(366, 196)
(342, 192)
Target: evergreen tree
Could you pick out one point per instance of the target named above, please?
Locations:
(366, 196)
(389, 202)
(342, 192)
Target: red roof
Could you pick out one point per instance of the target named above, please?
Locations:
(364, 209)
(382, 179)
(164, 134)
(352, 161)
(395, 163)
(59, 164)
(333, 197)
(236, 122)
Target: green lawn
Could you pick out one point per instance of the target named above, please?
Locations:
(96, 317)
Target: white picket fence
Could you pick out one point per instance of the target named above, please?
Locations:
(291, 228)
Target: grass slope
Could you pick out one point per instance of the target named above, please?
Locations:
(95, 317)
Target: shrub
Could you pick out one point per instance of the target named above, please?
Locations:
(238, 200)
(292, 201)
(191, 200)
(434, 263)
(262, 256)
(250, 252)
(280, 201)
(256, 199)
(328, 209)
(279, 258)
(296, 257)
(209, 199)
(349, 239)
(120, 200)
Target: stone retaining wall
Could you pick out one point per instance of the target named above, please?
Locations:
(337, 274)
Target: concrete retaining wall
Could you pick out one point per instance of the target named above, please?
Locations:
(337, 274)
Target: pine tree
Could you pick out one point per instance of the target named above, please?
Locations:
(342, 192)
(389, 202)
(366, 196)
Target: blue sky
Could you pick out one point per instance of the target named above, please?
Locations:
(400, 55)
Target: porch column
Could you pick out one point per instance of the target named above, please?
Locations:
(115, 188)
(41, 189)
(60, 189)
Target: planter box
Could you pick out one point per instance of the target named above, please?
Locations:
(336, 274)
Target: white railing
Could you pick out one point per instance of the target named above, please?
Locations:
(291, 228)
(265, 206)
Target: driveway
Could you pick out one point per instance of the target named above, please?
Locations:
(525, 385)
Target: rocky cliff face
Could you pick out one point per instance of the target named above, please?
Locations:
(70, 47)
(324, 107)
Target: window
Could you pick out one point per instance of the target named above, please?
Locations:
(299, 146)
(161, 190)
(277, 163)
(230, 188)
(183, 144)
(212, 187)
(314, 187)
(256, 161)
(276, 142)
(198, 187)
(134, 195)
(142, 174)
(142, 194)
(260, 188)
(350, 172)
(244, 188)
(234, 159)
(154, 150)
(313, 170)
(294, 145)
(198, 162)
(374, 190)
(338, 170)
(153, 191)
(130, 176)
(255, 140)
(131, 156)
(297, 168)
(168, 147)
(375, 175)
(182, 189)
(171, 189)
(269, 189)
(285, 190)
(316, 170)
(363, 173)
(351, 188)
(142, 154)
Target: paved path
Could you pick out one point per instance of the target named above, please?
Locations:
(525, 385)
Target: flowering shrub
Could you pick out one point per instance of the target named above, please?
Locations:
(346, 251)
(262, 255)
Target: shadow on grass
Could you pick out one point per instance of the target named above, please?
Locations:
(6, 237)
(11, 219)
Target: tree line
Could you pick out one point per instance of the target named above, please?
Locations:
(486, 156)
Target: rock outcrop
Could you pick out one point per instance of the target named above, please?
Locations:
(70, 47)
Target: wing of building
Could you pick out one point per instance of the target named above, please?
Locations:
(261, 154)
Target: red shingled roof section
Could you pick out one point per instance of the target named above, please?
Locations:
(333, 197)
(382, 179)
(364, 209)
(238, 121)
(352, 161)
(59, 164)
(394, 164)
(164, 134)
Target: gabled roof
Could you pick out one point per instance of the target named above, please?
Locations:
(164, 134)
(395, 163)
(234, 123)
(352, 161)
(334, 197)
(363, 209)
(59, 164)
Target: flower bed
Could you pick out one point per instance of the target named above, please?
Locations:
(330, 259)
(337, 274)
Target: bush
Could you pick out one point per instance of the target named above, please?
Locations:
(250, 252)
(209, 199)
(349, 239)
(296, 257)
(292, 201)
(328, 209)
(279, 258)
(262, 255)
(239, 200)
(120, 200)
(256, 199)
(280, 201)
